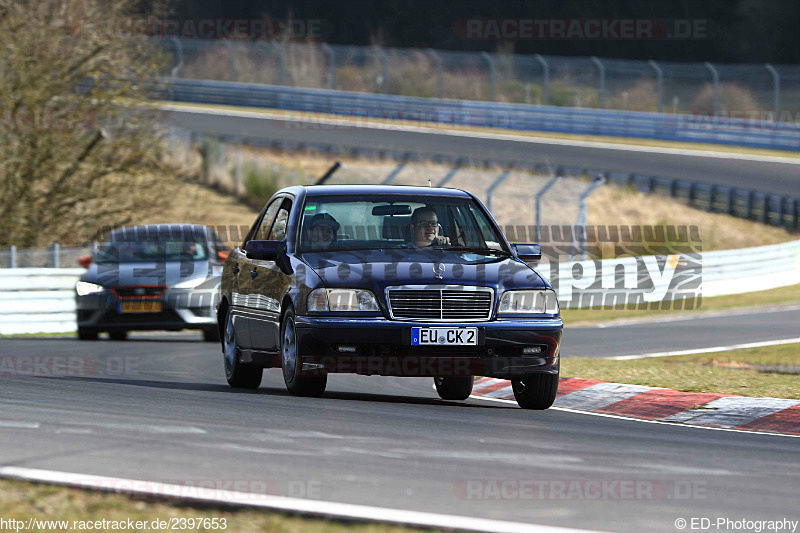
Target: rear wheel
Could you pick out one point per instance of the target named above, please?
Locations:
(238, 375)
(118, 335)
(87, 334)
(537, 391)
(454, 388)
(292, 363)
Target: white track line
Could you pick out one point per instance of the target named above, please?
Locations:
(314, 119)
(639, 420)
(713, 349)
(278, 503)
(691, 315)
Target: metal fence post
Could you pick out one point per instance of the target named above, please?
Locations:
(545, 77)
(282, 60)
(55, 260)
(450, 175)
(492, 77)
(602, 88)
(582, 213)
(659, 84)
(12, 256)
(177, 70)
(439, 80)
(231, 60)
(715, 80)
(384, 67)
(776, 88)
(539, 196)
(500, 179)
(393, 174)
(331, 66)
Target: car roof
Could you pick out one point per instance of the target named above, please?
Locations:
(168, 229)
(331, 190)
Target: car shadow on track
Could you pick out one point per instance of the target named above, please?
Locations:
(278, 391)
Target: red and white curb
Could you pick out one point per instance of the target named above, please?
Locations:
(774, 415)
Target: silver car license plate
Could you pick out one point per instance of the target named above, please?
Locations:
(444, 336)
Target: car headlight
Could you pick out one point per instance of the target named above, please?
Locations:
(84, 287)
(341, 300)
(529, 302)
(189, 283)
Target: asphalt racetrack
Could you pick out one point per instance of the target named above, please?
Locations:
(157, 408)
(776, 177)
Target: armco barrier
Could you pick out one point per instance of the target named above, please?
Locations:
(672, 127)
(41, 300)
(38, 300)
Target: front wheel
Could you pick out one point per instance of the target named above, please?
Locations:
(292, 364)
(238, 375)
(454, 388)
(537, 391)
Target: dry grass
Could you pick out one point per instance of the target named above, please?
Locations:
(21, 501)
(613, 205)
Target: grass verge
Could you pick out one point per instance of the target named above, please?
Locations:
(22, 500)
(769, 371)
(751, 300)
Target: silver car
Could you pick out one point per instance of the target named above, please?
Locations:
(156, 277)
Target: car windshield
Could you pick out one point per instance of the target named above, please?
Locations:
(378, 222)
(149, 248)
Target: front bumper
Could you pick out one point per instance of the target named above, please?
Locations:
(181, 309)
(377, 346)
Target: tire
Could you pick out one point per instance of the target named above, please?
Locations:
(211, 335)
(454, 388)
(239, 376)
(537, 391)
(292, 365)
(118, 335)
(87, 334)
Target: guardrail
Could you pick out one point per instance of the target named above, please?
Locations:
(672, 127)
(38, 300)
(41, 300)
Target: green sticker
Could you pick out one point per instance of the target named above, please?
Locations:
(310, 207)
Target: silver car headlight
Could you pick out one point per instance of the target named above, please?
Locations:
(342, 300)
(538, 302)
(84, 287)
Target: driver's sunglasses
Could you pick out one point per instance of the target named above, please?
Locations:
(427, 223)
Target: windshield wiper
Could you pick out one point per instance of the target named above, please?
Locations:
(476, 249)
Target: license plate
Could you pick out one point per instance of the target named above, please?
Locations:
(141, 306)
(444, 336)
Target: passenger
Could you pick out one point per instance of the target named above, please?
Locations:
(425, 228)
(322, 230)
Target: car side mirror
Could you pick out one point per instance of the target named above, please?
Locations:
(264, 250)
(85, 261)
(528, 252)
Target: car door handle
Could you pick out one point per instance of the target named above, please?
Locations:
(253, 273)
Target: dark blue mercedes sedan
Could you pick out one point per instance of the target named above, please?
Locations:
(387, 280)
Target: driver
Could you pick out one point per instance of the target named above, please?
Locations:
(322, 230)
(425, 228)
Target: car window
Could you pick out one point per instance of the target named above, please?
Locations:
(262, 233)
(385, 221)
(278, 232)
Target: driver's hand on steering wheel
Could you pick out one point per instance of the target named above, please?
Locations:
(441, 239)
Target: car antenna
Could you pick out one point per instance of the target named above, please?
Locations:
(329, 173)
